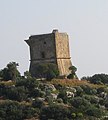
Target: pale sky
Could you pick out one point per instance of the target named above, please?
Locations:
(85, 21)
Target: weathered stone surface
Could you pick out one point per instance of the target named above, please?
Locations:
(50, 48)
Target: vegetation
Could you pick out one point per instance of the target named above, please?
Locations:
(48, 71)
(98, 79)
(26, 97)
(10, 72)
(12, 110)
(72, 75)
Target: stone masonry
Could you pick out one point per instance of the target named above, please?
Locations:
(50, 48)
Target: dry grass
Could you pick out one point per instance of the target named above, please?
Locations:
(8, 83)
(21, 103)
(74, 82)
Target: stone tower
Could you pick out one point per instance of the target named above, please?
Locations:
(50, 48)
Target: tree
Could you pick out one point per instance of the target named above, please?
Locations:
(98, 79)
(72, 75)
(48, 71)
(1, 74)
(27, 74)
(10, 72)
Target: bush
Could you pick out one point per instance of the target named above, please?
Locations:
(72, 75)
(80, 103)
(56, 112)
(29, 83)
(11, 110)
(10, 72)
(93, 111)
(94, 100)
(79, 91)
(36, 93)
(16, 93)
(88, 90)
(37, 103)
(79, 115)
(63, 96)
(98, 79)
(102, 89)
(73, 115)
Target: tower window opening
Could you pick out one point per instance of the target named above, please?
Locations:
(44, 42)
(43, 54)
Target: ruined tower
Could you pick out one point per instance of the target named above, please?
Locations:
(50, 48)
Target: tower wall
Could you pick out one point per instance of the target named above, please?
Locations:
(42, 50)
(62, 53)
(42, 47)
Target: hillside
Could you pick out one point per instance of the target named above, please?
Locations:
(59, 99)
(29, 98)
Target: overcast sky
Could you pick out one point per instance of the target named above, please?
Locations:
(85, 21)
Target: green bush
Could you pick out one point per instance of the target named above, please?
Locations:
(72, 75)
(79, 91)
(29, 83)
(93, 111)
(10, 72)
(56, 112)
(63, 95)
(80, 103)
(88, 90)
(79, 115)
(73, 115)
(11, 110)
(37, 103)
(98, 79)
(16, 93)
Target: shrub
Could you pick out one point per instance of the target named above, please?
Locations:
(29, 83)
(80, 103)
(73, 115)
(63, 96)
(16, 93)
(88, 90)
(56, 112)
(10, 72)
(79, 115)
(11, 110)
(37, 103)
(72, 75)
(93, 111)
(98, 79)
(79, 91)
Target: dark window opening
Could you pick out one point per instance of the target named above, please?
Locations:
(43, 54)
(44, 42)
